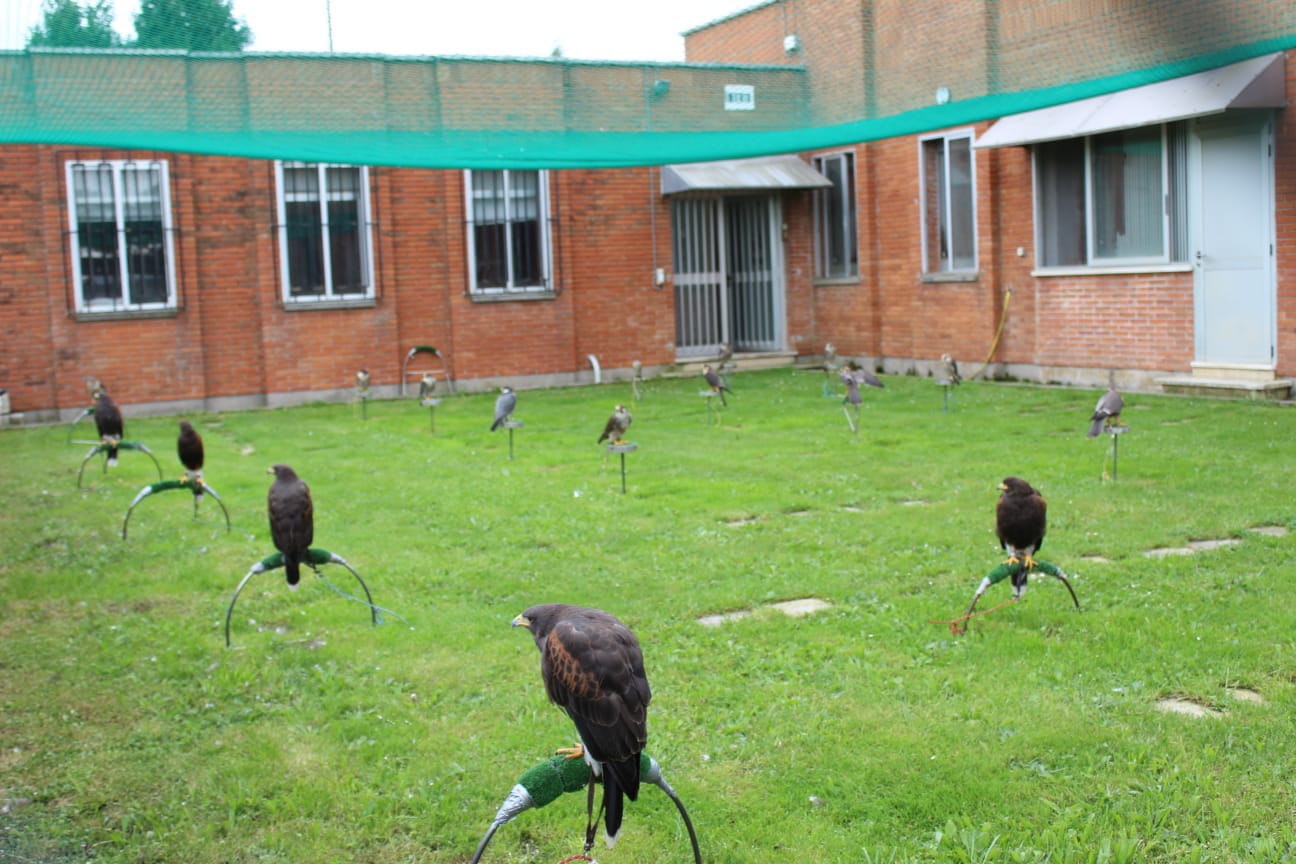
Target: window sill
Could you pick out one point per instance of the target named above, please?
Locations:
(831, 281)
(88, 316)
(1045, 272)
(937, 278)
(312, 305)
(506, 296)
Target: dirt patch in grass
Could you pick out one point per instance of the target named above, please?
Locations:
(1269, 530)
(1186, 706)
(1246, 694)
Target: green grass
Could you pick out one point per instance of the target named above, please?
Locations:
(865, 733)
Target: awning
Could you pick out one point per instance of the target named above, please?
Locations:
(1255, 83)
(765, 172)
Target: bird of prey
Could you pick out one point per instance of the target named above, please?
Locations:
(852, 387)
(860, 375)
(950, 371)
(715, 382)
(1107, 411)
(108, 420)
(362, 380)
(830, 357)
(292, 519)
(427, 386)
(189, 446)
(504, 406)
(593, 669)
(616, 426)
(726, 354)
(1020, 518)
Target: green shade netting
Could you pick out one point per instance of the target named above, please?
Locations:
(461, 112)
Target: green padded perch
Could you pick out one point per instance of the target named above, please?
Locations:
(315, 558)
(1019, 572)
(120, 445)
(196, 485)
(557, 775)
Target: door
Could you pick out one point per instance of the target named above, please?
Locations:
(728, 264)
(1232, 237)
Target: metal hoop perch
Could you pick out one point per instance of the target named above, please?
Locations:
(545, 783)
(1019, 571)
(315, 557)
(120, 445)
(193, 484)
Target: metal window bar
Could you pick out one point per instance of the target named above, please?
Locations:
(701, 301)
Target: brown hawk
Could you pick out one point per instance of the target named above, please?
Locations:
(593, 669)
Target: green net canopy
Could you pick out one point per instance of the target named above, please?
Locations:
(875, 76)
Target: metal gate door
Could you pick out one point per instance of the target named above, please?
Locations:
(728, 274)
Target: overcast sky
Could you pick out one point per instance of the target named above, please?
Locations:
(583, 29)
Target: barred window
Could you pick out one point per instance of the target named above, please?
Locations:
(120, 215)
(508, 231)
(324, 232)
(835, 237)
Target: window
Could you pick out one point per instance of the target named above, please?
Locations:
(1113, 199)
(508, 231)
(836, 240)
(325, 249)
(948, 204)
(120, 215)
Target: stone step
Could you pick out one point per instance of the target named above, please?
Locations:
(1277, 389)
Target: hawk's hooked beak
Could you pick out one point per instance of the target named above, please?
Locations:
(522, 621)
(270, 470)
(1002, 487)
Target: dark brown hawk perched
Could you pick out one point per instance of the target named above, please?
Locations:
(292, 519)
(616, 426)
(189, 447)
(1020, 518)
(593, 669)
(108, 421)
(715, 382)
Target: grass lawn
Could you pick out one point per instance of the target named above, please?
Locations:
(861, 733)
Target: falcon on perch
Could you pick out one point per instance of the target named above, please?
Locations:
(108, 422)
(292, 519)
(593, 669)
(504, 406)
(1107, 411)
(189, 447)
(616, 426)
(950, 371)
(1020, 517)
(715, 382)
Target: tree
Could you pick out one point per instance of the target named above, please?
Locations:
(66, 24)
(191, 25)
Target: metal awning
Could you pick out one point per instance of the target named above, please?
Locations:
(764, 172)
(1255, 83)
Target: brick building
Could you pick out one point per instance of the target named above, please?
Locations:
(1150, 228)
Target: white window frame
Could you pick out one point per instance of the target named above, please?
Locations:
(123, 303)
(937, 268)
(511, 286)
(1173, 195)
(364, 235)
(845, 224)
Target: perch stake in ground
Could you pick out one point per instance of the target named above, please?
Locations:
(548, 781)
(314, 558)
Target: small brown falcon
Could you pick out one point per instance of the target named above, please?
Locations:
(1020, 518)
(593, 669)
(617, 425)
(292, 519)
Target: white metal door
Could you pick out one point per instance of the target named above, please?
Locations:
(1232, 236)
